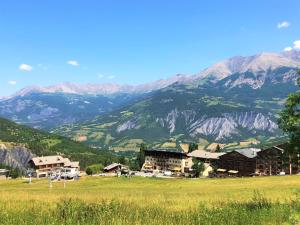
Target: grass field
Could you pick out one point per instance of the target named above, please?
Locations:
(110, 200)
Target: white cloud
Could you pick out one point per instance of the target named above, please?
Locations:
(100, 76)
(287, 49)
(111, 77)
(283, 24)
(25, 67)
(73, 63)
(296, 44)
(12, 82)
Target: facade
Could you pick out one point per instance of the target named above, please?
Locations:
(167, 160)
(243, 161)
(270, 161)
(252, 161)
(43, 166)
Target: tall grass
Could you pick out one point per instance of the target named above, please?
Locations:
(73, 211)
(89, 201)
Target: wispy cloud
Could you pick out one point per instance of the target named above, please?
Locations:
(25, 67)
(12, 82)
(111, 77)
(100, 76)
(283, 24)
(73, 63)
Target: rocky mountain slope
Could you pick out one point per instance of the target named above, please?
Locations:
(15, 156)
(234, 100)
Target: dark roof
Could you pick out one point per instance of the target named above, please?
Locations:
(166, 150)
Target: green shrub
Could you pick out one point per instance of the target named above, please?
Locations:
(94, 169)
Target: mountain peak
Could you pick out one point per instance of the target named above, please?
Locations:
(260, 62)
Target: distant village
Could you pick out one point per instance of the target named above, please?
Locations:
(176, 162)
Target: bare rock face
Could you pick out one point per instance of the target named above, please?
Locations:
(220, 127)
(128, 125)
(16, 157)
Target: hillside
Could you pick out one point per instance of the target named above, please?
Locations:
(44, 110)
(238, 104)
(232, 102)
(14, 136)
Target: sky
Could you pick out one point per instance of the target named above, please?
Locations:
(134, 41)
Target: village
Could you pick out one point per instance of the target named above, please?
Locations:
(175, 163)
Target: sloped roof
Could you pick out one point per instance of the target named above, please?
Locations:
(55, 159)
(111, 166)
(205, 155)
(46, 160)
(72, 164)
(249, 152)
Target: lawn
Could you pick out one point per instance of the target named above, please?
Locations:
(110, 200)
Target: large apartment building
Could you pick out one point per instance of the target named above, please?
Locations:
(175, 160)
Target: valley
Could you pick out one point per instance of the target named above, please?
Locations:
(229, 103)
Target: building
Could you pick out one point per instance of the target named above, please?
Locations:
(253, 161)
(113, 168)
(43, 166)
(241, 160)
(269, 161)
(209, 160)
(176, 160)
(206, 157)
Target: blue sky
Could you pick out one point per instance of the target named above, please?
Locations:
(126, 41)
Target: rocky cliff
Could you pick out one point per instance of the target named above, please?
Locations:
(15, 156)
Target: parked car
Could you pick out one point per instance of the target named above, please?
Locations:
(69, 173)
(167, 173)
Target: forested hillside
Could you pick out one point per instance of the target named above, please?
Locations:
(42, 143)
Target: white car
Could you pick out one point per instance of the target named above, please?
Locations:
(69, 173)
(167, 173)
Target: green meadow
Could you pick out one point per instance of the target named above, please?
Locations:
(136, 200)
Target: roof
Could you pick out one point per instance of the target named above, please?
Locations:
(167, 150)
(111, 166)
(72, 164)
(249, 152)
(205, 155)
(55, 159)
(46, 160)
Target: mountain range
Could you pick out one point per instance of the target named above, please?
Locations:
(233, 101)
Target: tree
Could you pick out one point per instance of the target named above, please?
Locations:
(192, 147)
(198, 167)
(141, 155)
(218, 148)
(94, 169)
(15, 173)
(289, 122)
(89, 171)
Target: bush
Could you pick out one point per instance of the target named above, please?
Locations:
(94, 169)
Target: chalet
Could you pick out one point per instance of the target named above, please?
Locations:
(113, 168)
(241, 160)
(44, 165)
(176, 160)
(270, 161)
